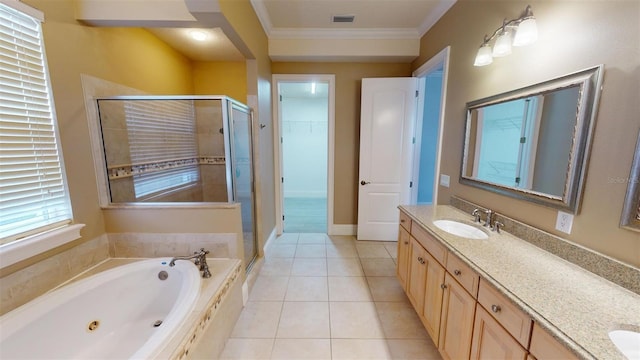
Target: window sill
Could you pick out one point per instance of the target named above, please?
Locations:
(33, 245)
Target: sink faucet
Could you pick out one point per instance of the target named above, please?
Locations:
(476, 215)
(487, 221)
(200, 260)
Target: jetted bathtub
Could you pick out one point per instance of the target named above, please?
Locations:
(128, 312)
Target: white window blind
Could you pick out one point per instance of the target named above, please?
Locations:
(33, 192)
(162, 134)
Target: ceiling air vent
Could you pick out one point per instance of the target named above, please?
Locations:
(343, 18)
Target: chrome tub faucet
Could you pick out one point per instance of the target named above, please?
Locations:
(200, 258)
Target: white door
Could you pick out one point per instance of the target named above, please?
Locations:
(386, 131)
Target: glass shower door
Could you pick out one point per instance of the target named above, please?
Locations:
(240, 122)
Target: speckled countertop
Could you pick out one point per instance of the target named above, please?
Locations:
(576, 306)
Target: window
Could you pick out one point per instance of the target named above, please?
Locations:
(33, 191)
(163, 146)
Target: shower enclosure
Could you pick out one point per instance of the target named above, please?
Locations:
(180, 149)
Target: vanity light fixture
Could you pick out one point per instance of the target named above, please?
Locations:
(526, 32)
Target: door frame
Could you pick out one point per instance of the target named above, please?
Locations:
(421, 73)
(277, 148)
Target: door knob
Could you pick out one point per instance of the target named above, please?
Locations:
(365, 182)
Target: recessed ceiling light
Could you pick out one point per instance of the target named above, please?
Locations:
(198, 35)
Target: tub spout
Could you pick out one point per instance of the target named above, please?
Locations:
(200, 258)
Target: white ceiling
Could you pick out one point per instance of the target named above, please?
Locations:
(302, 30)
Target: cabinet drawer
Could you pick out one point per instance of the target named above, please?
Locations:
(516, 322)
(433, 246)
(545, 347)
(492, 341)
(463, 274)
(405, 221)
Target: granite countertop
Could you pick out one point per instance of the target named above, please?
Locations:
(576, 306)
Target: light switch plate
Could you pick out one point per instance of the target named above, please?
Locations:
(444, 180)
(564, 222)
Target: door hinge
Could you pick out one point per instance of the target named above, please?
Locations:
(281, 140)
(280, 97)
(410, 184)
(282, 180)
(518, 180)
(282, 217)
(417, 92)
(523, 140)
(413, 140)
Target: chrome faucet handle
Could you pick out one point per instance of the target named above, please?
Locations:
(476, 215)
(496, 226)
(487, 221)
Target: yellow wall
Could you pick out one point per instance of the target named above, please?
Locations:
(572, 36)
(131, 57)
(347, 123)
(221, 78)
(243, 19)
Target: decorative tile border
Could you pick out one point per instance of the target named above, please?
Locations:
(213, 306)
(606, 267)
(128, 170)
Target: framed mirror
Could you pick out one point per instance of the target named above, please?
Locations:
(631, 210)
(533, 143)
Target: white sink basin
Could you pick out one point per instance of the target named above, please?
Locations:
(461, 229)
(628, 342)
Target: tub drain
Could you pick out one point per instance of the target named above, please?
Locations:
(163, 275)
(93, 325)
(157, 323)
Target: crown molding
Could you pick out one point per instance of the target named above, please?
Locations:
(263, 16)
(291, 33)
(434, 16)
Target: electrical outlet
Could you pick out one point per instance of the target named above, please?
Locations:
(444, 180)
(564, 222)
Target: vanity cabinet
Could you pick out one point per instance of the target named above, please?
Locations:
(402, 269)
(545, 347)
(456, 323)
(492, 341)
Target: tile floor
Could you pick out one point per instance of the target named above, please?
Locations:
(321, 297)
(305, 215)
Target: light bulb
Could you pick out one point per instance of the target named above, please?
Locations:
(198, 35)
(483, 57)
(502, 47)
(527, 33)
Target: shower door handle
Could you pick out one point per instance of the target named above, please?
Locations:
(365, 182)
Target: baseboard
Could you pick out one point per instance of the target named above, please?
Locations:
(272, 236)
(339, 229)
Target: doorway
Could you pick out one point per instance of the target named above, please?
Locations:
(304, 148)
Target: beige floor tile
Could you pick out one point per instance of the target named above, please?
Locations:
(354, 320)
(309, 267)
(413, 349)
(313, 238)
(344, 267)
(341, 239)
(307, 289)
(386, 288)
(269, 288)
(311, 251)
(378, 267)
(400, 321)
(348, 288)
(245, 349)
(304, 320)
(342, 251)
(294, 349)
(392, 249)
(281, 251)
(287, 238)
(359, 349)
(276, 267)
(369, 250)
(258, 319)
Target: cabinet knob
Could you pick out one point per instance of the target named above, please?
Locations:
(420, 260)
(495, 308)
(402, 220)
(443, 286)
(457, 272)
(406, 243)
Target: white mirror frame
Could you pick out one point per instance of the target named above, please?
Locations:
(590, 81)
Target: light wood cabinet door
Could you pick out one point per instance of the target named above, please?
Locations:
(433, 293)
(491, 341)
(456, 324)
(417, 275)
(402, 268)
(545, 347)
